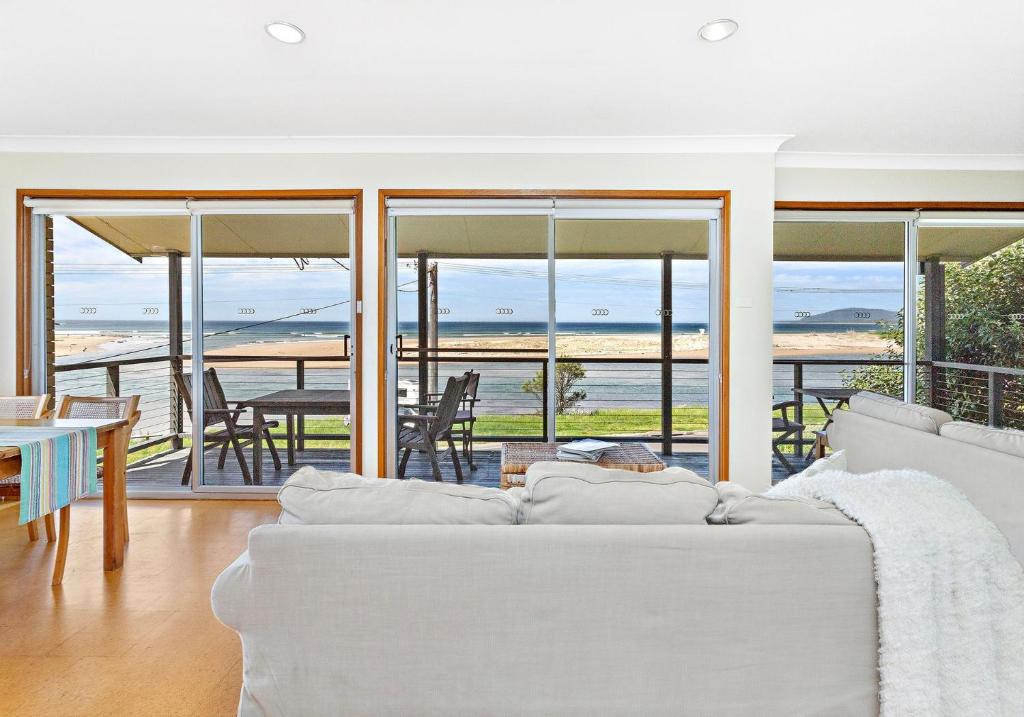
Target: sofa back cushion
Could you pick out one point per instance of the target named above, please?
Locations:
(1003, 440)
(991, 480)
(922, 418)
(318, 497)
(565, 493)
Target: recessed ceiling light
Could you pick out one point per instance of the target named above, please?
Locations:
(719, 30)
(285, 32)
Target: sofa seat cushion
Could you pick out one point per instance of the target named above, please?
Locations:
(739, 506)
(1003, 440)
(565, 493)
(922, 418)
(316, 497)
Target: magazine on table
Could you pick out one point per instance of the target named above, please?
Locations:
(588, 450)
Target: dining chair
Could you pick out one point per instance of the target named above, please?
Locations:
(424, 430)
(10, 486)
(94, 407)
(465, 420)
(216, 412)
(784, 428)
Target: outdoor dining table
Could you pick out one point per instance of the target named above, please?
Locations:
(838, 396)
(111, 435)
(290, 403)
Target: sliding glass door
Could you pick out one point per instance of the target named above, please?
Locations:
(277, 338)
(970, 315)
(470, 294)
(923, 306)
(634, 328)
(256, 295)
(571, 318)
(840, 291)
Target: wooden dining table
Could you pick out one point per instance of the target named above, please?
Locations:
(111, 438)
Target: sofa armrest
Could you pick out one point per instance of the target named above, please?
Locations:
(231, 596)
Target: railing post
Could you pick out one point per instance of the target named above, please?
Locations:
(300, 423)
(176, 346)
(995, 399)
(544, 398)
(114, 380)
(798, 411)
(666, 353)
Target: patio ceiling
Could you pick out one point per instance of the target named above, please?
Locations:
(227, 235)
(866, 241)
(526, 237)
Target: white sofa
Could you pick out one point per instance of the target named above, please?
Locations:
(549, 619)
(340, 612)
(986, 464)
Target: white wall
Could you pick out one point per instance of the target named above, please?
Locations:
(750, 177)
(865, 185)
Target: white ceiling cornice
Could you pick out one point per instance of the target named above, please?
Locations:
(706, 144)
(933, 162)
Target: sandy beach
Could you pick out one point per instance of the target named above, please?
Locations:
(624, 346)
(71, 344)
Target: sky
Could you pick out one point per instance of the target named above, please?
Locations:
(94, 281)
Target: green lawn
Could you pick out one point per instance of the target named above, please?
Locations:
(617, 421)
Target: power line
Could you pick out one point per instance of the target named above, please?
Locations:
(541, 274)
(232, 330)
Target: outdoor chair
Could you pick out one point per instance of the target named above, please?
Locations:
(462, 424)
(423, 431)
(10, 486)
(782, 430)
(117, 407)
(216, 412)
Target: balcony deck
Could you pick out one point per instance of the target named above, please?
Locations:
(164, 472)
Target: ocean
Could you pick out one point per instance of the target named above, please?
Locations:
(616, 385)
(231, 333)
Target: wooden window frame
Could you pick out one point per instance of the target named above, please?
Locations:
(383, 195)
(24, 288)
(873, 206)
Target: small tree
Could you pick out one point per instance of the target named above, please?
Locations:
(886, 380)
(567, 395)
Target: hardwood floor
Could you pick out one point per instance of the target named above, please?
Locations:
(140, 641)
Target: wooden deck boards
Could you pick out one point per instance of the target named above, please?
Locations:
(164, 473)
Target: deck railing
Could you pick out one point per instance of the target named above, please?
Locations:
(164, 419)
(623, 398)
(623, 395)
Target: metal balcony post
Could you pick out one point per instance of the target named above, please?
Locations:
(666, 353)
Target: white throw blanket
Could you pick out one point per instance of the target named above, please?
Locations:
(950, 593)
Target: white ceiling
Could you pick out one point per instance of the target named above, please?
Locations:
(874, 76)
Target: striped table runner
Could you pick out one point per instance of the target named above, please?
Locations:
(58, 465)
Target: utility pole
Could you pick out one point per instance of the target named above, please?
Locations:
(421, 325)
(432, 324)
